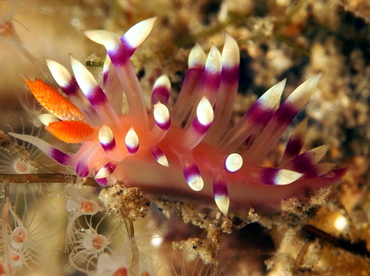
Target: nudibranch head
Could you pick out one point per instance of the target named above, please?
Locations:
(162, 149)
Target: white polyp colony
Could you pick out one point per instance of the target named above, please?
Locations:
(95, 242)
(21, 167)
(82, 206)
(21, 249)
(18, 237)
(16, 258)
(111, 265)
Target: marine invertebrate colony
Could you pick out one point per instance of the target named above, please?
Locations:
(163, 149)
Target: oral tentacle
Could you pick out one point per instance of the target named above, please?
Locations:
(56, 154)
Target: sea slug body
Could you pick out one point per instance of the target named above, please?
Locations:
(186, 150)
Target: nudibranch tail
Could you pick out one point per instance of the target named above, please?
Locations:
(187, 143)
(281, 119)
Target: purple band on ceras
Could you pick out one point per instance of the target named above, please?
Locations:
(269, 176)
(219, 187)
(82, 169)
(303, 164)
(121, 54)
(161, 94)
(211, 83)
(211, 78)
(259, 114)
(230, 75)
(293, 147)
(286, 113)
(60, 157)
(199, 127)
(71, 89)
(96, 97)
(164, 126)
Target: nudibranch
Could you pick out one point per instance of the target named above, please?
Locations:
(185, 150)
